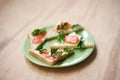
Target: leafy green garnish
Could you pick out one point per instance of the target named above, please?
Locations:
(57, 54)
(62, 26)
(42, 50)
(61, 36)
(53, 50)
(81, 43)
(38, 31)
(76, 26)
(41, 45)
(68, 49)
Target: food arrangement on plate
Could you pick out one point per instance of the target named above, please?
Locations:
(66, 39)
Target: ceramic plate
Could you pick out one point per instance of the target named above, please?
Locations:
(78, 56)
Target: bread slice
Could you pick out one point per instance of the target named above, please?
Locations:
(41, 57)
(50, 35)
(64, 44)
(49, 59)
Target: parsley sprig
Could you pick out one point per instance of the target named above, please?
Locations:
(68, 49)
(57, 54)
(62, 26)
(61, 36)
(38, 31)
(76, 26)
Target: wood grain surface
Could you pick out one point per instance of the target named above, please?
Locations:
(100, 17)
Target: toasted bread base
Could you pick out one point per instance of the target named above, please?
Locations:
(63, 45)
(46, 59)
(50, 35)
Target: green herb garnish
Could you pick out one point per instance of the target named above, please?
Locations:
(62, 26)
(76, 26)
(41, 45)
(81, 43)
(42, 50)
(68, 49)
(38, 31)
(61, 36)
(57, 54)
(53, 50)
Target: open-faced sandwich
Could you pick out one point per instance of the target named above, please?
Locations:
(37, 37)
(53, 56)
(64, 27)
(66, 40)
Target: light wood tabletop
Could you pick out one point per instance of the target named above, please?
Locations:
(100, 17)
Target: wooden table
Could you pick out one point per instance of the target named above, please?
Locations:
(100, 17)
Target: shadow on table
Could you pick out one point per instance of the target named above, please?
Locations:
(74, 68)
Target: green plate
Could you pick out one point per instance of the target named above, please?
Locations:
(77, 57)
